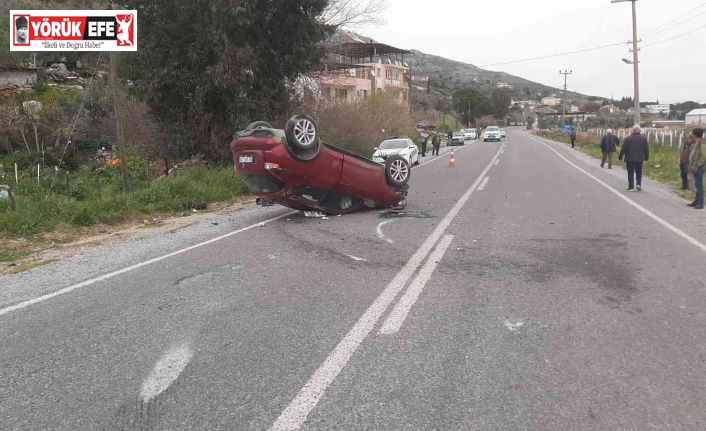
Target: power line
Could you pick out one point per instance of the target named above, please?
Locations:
(677, 24)
(655, 30)
(676, 37)
(674, 52)
(553, 55)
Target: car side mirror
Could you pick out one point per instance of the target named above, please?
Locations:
(375, 149)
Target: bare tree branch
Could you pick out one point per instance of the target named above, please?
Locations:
(353, 13)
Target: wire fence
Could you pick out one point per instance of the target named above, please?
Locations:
(670, 138)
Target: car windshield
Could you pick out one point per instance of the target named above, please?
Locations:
(394, 144)
(458, 134)
(492, 129)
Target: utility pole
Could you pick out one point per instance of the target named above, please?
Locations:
(634, 58)
(563, 102)
(469, 113)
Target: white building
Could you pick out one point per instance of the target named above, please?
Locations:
(658, 109)
(697, 116)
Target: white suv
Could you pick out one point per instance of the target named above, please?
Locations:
(492, 133)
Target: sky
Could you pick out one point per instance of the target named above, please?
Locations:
(488, 32)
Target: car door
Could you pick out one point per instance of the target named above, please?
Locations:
(413, 150)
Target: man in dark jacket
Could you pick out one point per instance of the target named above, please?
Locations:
(684, 153)
(608, 145)
(636, 150)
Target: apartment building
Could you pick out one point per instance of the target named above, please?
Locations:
(354, 70)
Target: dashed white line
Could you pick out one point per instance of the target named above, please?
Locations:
(483, 184)
(639, 207)
(357, 259)
(382, 235)
(165, 372)
(295, 414)
(397, 316)
(496, 162)
(133, 267)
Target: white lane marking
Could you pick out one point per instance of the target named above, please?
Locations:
(357, 259)
(483, 184)
(165, 372)
(513, 326)
(397, 316)
(382, 235)
(496, 162)
(639, 207)
(295, 414)
(133, 267)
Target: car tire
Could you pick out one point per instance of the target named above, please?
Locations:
(258, 124)
(416, 161)
(302, 132)
(397, 171)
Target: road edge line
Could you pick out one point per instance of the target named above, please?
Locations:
(639, 207)
(95, 280)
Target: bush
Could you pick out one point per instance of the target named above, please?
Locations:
(358, 126)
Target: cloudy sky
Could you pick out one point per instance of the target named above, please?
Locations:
(484, 33)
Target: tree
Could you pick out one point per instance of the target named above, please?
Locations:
(471, 104)
(501, 102)
(353, 13)
(216, 66)
(591, 107)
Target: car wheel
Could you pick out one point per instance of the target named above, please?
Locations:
(397, 171)
(416, 161)
(302, 132)
(258, 124)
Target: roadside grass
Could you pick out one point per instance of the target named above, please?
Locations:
(11, 255)
(663, 165)
(92, 197)
(27, 266)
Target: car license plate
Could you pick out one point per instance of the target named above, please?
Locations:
(245, 159)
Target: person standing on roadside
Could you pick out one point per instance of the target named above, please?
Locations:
(609, 143)
(697, 165)
(636, 151)
(573, 137)
(436, 144)
(684, 154)
(424, 137)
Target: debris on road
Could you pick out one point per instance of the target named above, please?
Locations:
(313, 214)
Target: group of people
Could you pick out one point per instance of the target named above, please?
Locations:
(424, 141)
(636, 150)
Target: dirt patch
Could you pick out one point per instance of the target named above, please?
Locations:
(65, 243)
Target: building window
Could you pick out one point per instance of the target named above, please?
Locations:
(341, 93)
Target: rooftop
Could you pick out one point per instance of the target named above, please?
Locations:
(364, 50)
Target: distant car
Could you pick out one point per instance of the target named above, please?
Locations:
(470, 134)
(457, 138)
(296, 169)
(403, 147)
(502, 133)
(492, 133)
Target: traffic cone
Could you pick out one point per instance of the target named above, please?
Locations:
(452, 162)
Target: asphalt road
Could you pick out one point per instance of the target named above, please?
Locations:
(524, 289)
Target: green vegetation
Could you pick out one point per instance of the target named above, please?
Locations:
(663, 165)
(88, 197)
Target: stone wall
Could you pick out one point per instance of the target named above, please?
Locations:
(17, 77)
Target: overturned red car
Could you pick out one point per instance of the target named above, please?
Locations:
(296, 169)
